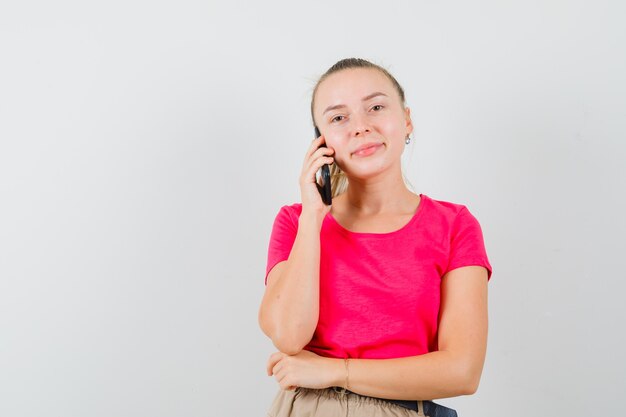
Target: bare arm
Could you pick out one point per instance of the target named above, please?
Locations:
(289, 310)
(454, 369)
(290, 307)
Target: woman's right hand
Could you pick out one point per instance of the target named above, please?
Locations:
(314, 159)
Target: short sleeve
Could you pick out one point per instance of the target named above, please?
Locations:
(467, 246)
(283, 235)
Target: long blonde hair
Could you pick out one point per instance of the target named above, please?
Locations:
(338, 179)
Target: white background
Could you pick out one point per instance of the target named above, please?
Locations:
(147, 146)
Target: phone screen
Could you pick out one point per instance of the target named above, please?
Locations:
(322, 178)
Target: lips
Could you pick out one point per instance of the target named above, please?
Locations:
(367, 148)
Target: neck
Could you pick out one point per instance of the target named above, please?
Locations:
(379, 196)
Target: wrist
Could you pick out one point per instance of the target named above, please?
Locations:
(339, 374)
(311, 218)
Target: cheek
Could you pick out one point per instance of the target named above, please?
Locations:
(395, 127)
(334, 143)
(341, 154)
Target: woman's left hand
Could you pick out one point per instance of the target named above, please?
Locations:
(304, 369)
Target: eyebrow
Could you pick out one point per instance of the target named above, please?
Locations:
(368, 97)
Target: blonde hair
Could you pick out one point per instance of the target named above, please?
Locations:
(338, 179)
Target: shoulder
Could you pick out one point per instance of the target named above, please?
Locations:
(292, 209)
(451, 216)
(290, 212)
(446, 210)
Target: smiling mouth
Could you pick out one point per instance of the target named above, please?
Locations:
(367, 151)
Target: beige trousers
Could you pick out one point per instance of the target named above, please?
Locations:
(327, 402)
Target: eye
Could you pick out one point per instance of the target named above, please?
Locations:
(336, 119)
(377, 107)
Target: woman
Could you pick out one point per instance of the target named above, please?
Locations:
(377, 303)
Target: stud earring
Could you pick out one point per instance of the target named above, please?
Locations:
(407, 140)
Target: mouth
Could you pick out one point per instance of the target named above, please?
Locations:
(368, 150)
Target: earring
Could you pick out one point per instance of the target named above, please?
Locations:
(407, 140)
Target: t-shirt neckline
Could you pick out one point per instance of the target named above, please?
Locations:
(418, 210)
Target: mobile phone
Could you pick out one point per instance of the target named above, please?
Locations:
(322, 177)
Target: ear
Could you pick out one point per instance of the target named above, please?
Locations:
(409, 122)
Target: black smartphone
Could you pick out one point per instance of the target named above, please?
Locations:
(322, 178)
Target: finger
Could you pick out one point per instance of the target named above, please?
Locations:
(286, 383)
(279, 377)
(322, 151)
(281, 368)
(272, 361)
(317, 164)
(270, 364)
(277, 369)
(314, 146)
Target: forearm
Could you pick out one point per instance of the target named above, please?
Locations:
(295, 306)
(438, 374)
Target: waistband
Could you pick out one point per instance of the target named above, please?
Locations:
(431, 409)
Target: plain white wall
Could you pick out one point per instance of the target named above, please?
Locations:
(147, 146)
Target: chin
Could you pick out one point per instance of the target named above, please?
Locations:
(366, 172)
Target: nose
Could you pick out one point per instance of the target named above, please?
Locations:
(362, 131)
(360, 126)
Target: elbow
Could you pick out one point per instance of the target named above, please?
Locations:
(284, 341)
(288, 338)
(464, 374)
(288, 349)
(289, 345)
(471, 386)
(264, 324)
(469, 380)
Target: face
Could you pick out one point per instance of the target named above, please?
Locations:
(360, 107)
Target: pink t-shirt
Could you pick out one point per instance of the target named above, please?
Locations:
(380, 292)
